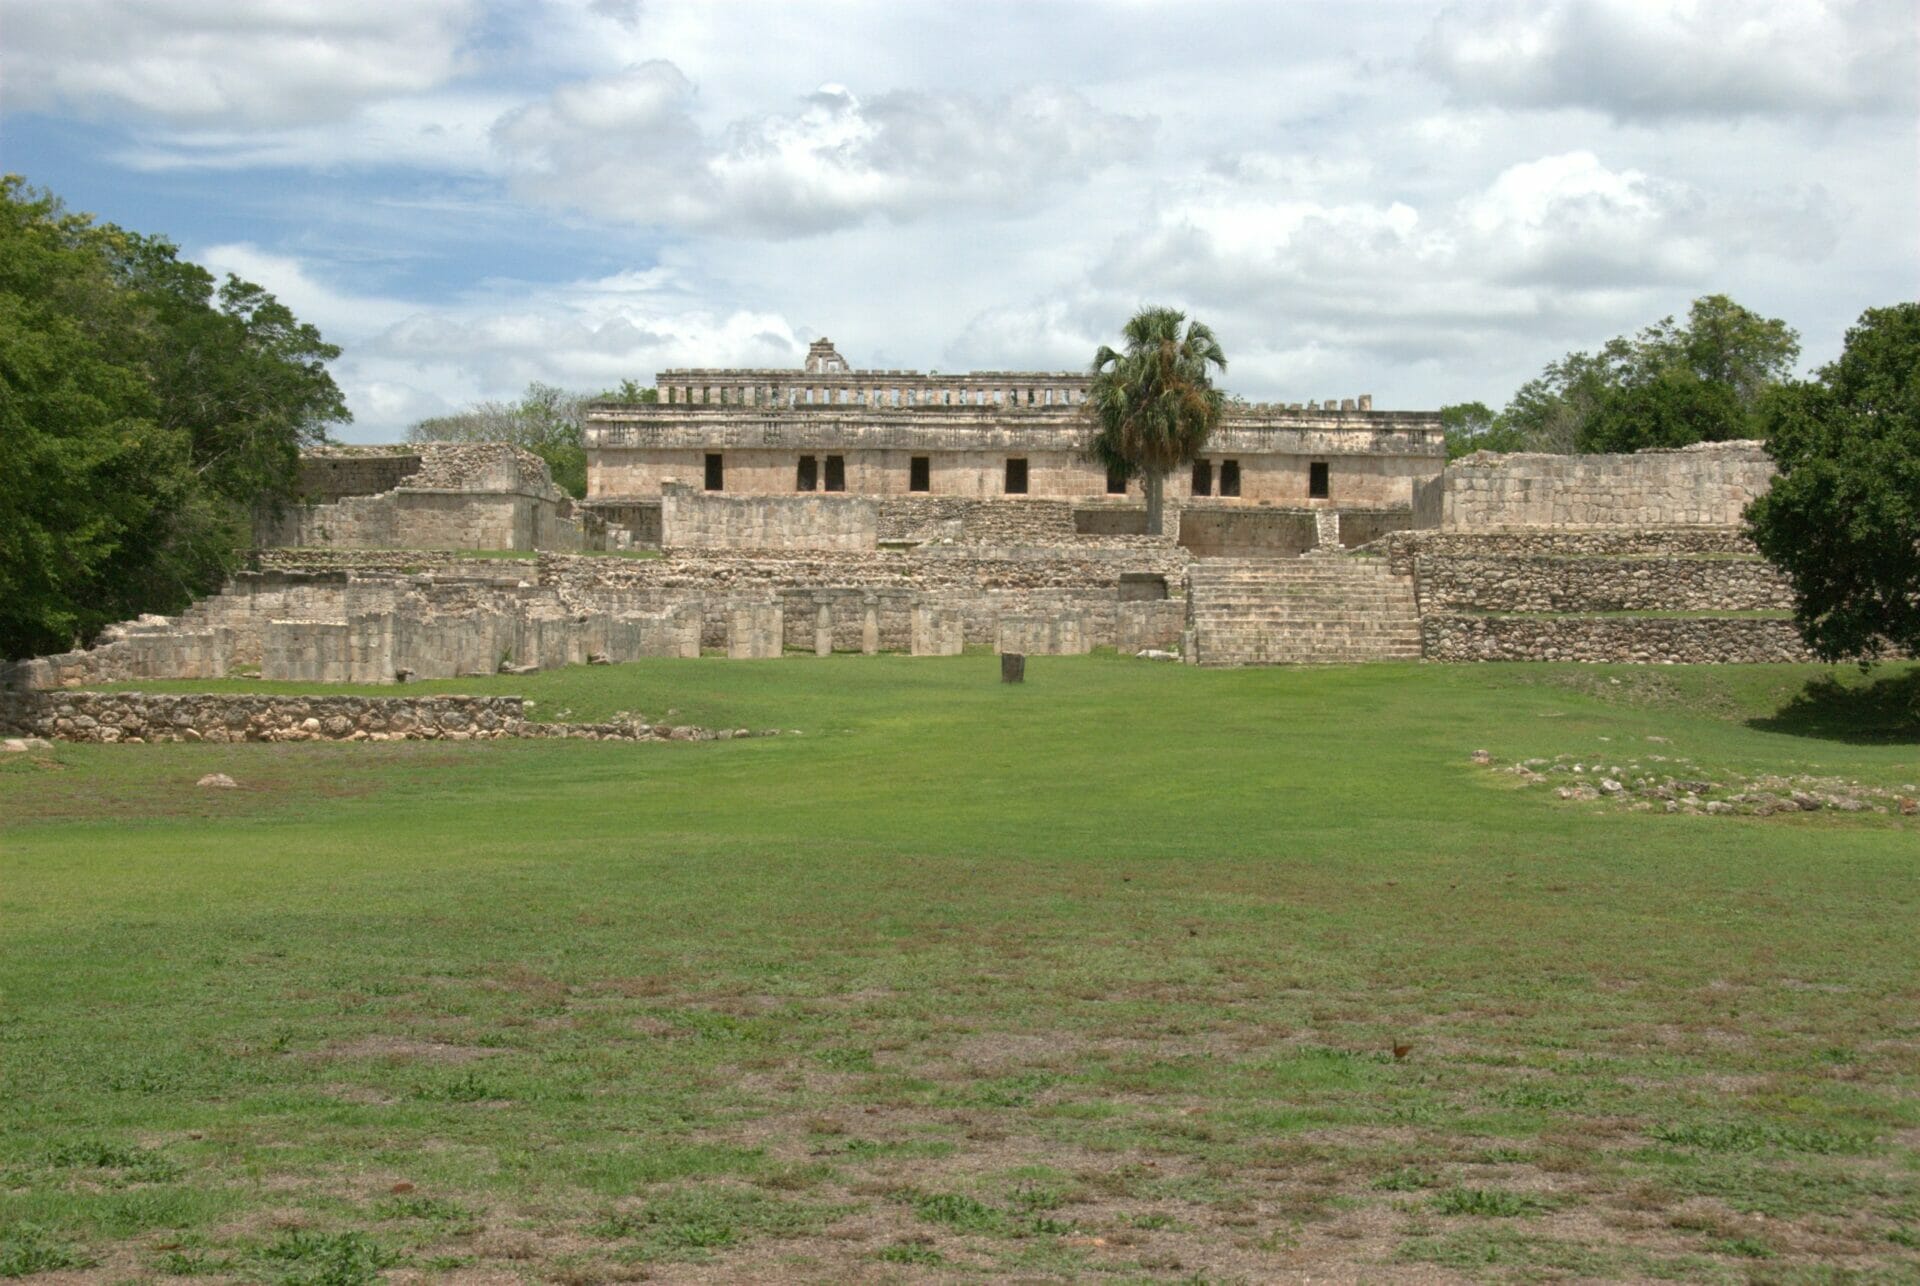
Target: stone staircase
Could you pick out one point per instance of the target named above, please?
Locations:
(1317, 609)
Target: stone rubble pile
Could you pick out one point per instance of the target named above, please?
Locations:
(134, 718)
(1676, 784)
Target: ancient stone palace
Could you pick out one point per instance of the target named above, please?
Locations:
(824, 509)
(987, 434)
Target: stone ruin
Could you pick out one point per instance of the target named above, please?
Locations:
(440, 561)
(435, 495)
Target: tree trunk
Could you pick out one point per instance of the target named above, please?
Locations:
(1156, 484)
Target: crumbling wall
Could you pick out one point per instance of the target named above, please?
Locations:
(1644, 639)
(1710, 484)
(695, 520)
(485, 495)
(1496, 583)
(331, 474)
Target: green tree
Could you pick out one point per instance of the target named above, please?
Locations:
(1154, 405)
(1842, 518)
(143, 415)
(548, 421)
(630, 393)
(1673, 408)
(1670, 385)
(1472, 426)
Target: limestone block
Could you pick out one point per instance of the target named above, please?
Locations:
(1149, 624)
(755, 631)
(938, 631)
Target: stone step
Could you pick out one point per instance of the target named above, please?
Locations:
(1325, 610)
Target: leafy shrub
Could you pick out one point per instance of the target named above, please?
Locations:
(26, 1249)
(328, 1259)
(961, 1213)
(1486, 1203)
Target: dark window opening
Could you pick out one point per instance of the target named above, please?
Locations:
(1229, 477)
(716, 474)
(920, 473)
(1317, 480)
(836, 473)
(1203, 477)
(807, 476)
(1016, 477)
(1116, 482)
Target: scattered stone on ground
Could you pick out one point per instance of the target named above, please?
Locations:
(218, 780)
(1156, 654)
(1677, 786)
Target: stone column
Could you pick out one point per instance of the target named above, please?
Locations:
(870, 625)
(822, 628)
(1326, 531)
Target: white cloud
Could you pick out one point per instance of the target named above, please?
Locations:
(446, 132)
(1701, 58)
(333, 311)
(263, 64)
(405, 360)
(627, 148)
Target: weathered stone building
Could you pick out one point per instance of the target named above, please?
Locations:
(829, 509)
(829, 429)
(434, 495)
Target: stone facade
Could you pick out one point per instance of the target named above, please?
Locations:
(985, 434)
(1706, 485)
(692, 519)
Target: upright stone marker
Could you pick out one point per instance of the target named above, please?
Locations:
(822, 628)
(1013, 667)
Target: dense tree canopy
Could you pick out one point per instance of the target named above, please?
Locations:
(144, 413)
(548, 421)
(1671, 385)
(1154, 405)
(1473, 426)
(1843, 517)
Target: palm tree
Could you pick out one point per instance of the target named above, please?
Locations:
(1155, 404)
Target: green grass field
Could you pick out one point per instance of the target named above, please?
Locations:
(1098, 977)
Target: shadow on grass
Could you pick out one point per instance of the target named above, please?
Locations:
(1885, 711)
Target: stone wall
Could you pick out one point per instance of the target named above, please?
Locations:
(1017, 520)
(413, 518)
(328, 474)
(1404, 547)
(631, 522)
(1222, 532)
(1365, 526)
(1664, 640)
(1709, 484)
(444, 563)
(691, 519)
(134, 717)
(1617, 584)
(450, 496)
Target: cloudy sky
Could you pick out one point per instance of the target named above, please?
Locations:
(1426, 202)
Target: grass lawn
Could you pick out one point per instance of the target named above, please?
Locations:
(1101, 976)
